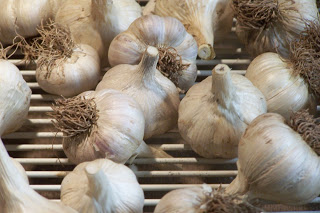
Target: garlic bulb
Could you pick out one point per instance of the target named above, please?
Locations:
(284, 92)
(102, 21)
(275, 162)
(177, 49)
(271, 25)
(15, 97)
(63, 67)
(230, 101)
(102, 186)
(16, 196)
(23, 17)
(202, 199)
(102, 124)
(157, 95)
(203, 19)
(20, 170)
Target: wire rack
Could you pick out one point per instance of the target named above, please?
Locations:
(37, 145)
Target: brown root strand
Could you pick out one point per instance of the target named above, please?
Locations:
(170, 64)
(308, 127)
(219, 202)
(74, 116)
(305, 56)
(53, 46)
(256, 14)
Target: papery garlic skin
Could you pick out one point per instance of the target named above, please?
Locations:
(187, 200)
(102, 186)
(15, 97)
(202, 18)
(280, 30)
(102, 21)
(23, 17)
(118, 133)
(21, 170)
(16, 196)
(156, 94)
(230, 101)
(276, 164)
(285, 92)
(161, 32)
(71, 76)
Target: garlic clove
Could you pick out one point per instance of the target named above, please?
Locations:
(231, 103)
(275, 163)
(17, 94)
(105, 187)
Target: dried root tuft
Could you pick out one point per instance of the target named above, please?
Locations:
(219, 202)
(74, 116)
(170, 64)
(305, 56)
(308, 127)
(256, 14)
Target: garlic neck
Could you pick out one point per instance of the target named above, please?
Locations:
(147, 66)
(222, 86)
(99, 184)
(11, 182)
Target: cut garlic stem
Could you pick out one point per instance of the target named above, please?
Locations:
(222, 85)
(206, 52)
(99, 186)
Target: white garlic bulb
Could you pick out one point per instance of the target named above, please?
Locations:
(271, 25)
(202, 199)
(23, 17)
(101, 124)
(275, 163)
(177, 48)
(15, 97)
(21, 170)
(230, 101)
(102, 186)
(16, 196)
(157, 95)
(102, 21)
(71, 76)
(284, 91)
(206, 20)
(63, 67)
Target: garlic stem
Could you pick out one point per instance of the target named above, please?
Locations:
(206, 52)
(148, 63)
(222, 86)
(99, 184)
